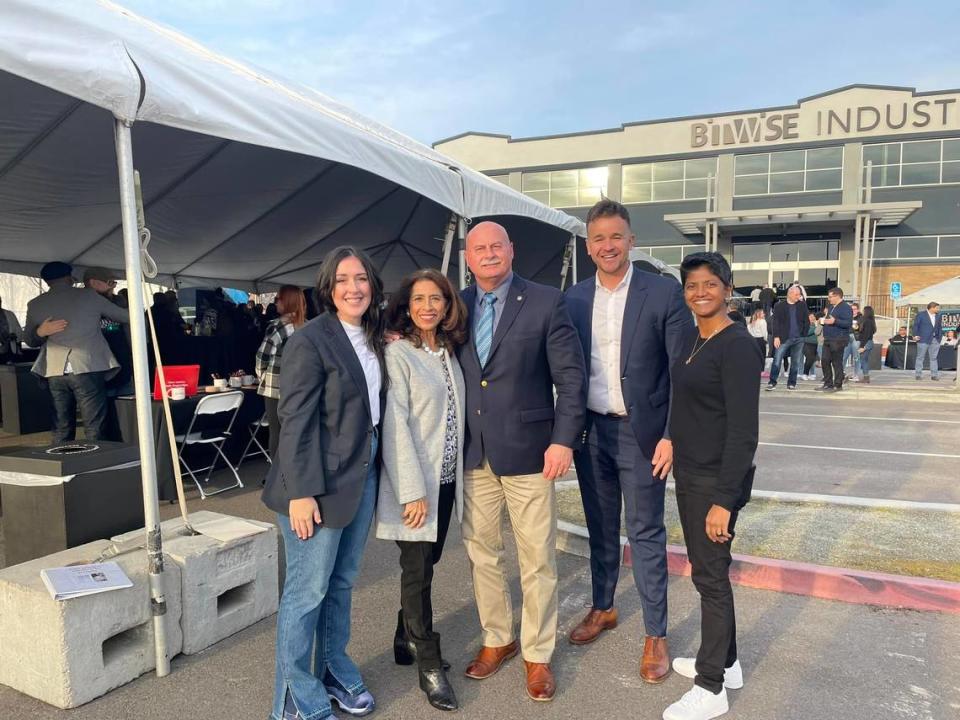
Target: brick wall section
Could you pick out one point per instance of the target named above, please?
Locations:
(913, 277)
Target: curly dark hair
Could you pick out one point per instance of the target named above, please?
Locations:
(452, 330)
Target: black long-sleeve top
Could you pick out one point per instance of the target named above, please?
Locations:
(868, 328)
(715, 414)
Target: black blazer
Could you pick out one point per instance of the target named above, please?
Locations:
(656, 323)
(511, 419)
(779, 324)
(325, 424)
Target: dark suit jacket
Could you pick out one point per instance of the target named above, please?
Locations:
(928, 332)
(511, 419)
(779, 323)
(325, 424)
(655, 323)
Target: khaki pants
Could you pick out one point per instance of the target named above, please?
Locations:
(531, 503)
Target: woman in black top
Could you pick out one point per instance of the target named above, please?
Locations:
(714, 424)
(868, 328)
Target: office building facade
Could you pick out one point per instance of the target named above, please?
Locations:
(857, 187)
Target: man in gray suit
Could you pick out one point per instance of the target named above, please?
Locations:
(74, 357)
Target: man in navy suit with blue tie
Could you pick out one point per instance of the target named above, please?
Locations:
(927, 331)
(631, 326)
(518, 440)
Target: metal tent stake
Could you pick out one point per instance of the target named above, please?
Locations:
(141, 378)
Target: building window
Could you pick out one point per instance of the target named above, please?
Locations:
(670, 180)
(790, 171)
(920, 162)
(502, 179)
(566, 188)
(917, 247)
(671, 254)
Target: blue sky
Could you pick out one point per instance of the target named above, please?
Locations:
(435, 69)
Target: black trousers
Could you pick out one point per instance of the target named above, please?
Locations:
(86, 391)
(809, 357)
(271, 404)
(710, 563)
(416, 582)
(832, 361)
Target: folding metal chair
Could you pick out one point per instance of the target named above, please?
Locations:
(227, 404)
(255, 427)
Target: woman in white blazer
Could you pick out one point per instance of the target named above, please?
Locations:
(422, 477)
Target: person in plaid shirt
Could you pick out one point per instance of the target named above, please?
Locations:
(292, 307)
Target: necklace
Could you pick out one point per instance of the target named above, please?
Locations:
(435, 353)
(697, 348)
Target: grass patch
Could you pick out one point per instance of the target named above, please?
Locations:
(901, 542)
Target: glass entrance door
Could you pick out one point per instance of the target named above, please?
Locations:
(812, 260)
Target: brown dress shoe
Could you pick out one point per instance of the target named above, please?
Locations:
(489, 660)
(540, 683)
(592, 625)
(655, 665)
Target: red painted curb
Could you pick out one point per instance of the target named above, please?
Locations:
(829, 583)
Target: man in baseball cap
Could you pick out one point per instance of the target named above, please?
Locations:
(102, 280)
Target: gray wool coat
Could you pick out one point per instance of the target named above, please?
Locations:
(412, 437)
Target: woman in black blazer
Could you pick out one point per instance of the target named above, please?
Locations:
(714, 423)
(323, 486)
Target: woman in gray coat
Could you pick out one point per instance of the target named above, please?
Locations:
(422, 445)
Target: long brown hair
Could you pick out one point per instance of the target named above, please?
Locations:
(294, 304)
(452, 330)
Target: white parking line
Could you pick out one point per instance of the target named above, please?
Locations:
(859, 417)
(862, 450)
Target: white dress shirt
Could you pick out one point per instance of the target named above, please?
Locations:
(370, 364)
(604, 394)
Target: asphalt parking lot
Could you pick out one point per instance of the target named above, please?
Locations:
(887, 449)
(802, 658)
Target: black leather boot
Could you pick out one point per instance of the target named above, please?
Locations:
(404, 649)
(438, 689)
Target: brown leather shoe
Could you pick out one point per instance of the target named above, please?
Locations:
(655, 665)
(540, 683)
(489, 660)
(592, 625)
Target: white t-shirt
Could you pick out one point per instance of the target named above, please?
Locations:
(370, 365)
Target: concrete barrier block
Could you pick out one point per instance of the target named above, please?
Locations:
(226, 586)
(70, 652)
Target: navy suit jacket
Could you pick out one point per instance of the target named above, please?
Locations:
(927, 332)
(326, 426)
(511, 415)
(656, 323)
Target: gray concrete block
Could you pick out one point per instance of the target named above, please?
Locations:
(67, 653)
(226, 586)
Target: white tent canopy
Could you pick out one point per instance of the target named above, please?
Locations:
(247, 180)
(944, 293)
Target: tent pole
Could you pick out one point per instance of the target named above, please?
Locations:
(448, 242)
(138, 342)
(568, 253)
(462, 235)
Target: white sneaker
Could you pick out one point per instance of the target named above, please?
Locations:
(698, 704)
(732, 676)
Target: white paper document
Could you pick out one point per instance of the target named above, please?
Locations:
(73, 581)
(226, 529)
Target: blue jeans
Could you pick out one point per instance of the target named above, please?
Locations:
(313, 624)
(865, 358)
(850, 352)
(794, 346)
(86, 391)
(923, 349)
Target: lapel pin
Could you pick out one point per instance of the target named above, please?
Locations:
(519, 298)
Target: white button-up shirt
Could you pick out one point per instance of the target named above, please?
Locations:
(604, 394)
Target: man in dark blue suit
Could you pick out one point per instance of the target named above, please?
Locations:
(631, 326)
(518, 441)
(927, 332)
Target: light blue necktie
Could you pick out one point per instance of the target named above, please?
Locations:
(485, 328)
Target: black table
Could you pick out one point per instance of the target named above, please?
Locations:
(182, 411)
(946, 359)
(25, 400)
(217, 355)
